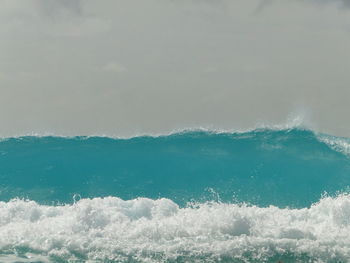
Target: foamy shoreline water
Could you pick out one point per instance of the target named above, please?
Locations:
(146, 230)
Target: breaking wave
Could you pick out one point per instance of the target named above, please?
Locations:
(265, 195)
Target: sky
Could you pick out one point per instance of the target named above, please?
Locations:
(124, 68)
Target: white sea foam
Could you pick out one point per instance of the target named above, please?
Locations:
(148, 230)
(339, 144)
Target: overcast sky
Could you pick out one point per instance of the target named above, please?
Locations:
(121, 68)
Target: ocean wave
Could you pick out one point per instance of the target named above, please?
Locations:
(145, 230)
(296, 166)
(193, 196)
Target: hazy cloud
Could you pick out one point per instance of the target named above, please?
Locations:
(262, 4)
(345, 3)
(341, 3)
(120, 67)
(57, 7)
(114, 67)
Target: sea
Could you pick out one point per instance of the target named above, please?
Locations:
(263, 195)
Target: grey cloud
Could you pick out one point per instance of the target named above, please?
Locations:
(262, 5)
(342, 3)
(345, 3)
(126, 67)
(55, 7)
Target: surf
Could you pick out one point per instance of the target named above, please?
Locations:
(144, 230)
(193, 196)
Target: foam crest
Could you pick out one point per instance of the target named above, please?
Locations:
(336, 143)
(145, 230)
(293, 121)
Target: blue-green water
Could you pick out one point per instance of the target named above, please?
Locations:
(193, 197)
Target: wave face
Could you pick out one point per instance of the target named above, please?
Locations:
(263, 167)
(197, 196)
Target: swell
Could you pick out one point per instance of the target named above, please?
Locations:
(291, 167)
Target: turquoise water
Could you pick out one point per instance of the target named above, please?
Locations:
(196, 196)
